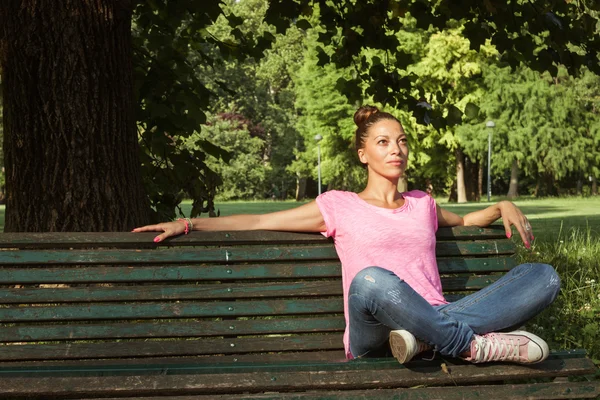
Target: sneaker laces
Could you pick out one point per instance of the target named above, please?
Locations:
(493, 347)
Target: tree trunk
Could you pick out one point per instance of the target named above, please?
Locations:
(300, 188)
(70, 141)
(594, 186)
(480, 178)
(460, 177)
(513, 188)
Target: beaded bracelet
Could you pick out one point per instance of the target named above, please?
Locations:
(188, 224)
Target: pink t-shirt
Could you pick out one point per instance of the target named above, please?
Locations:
(401, 240)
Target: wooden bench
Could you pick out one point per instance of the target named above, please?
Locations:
(228, 314)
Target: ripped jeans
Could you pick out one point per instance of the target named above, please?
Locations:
(506, 304)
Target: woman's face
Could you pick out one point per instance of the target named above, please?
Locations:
(385, 150)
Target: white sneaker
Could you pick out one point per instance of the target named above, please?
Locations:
(518, 346)
(405, 346)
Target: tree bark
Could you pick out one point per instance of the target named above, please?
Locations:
(513, 187)
(594, 186)
(480, 178)
(460, 177)
(300, 188)
(70, 141)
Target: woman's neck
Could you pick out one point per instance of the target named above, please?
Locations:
(382, 192)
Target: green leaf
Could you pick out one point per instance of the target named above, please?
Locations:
(454, 116)
(303, 24)
(471, 110)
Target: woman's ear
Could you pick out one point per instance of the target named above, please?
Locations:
(361, 156)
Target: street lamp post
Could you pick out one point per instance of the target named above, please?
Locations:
(490, 125)
(318, 139)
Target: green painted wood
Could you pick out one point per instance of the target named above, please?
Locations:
(169, 329)
(145, 240)
(283, 362)
(476, 265)
(536, 391)
(224, 255)
(173, 292)
(206, 291)
(173, 348)
(165, 273)
(164, 383)
(181, 309)
(161, 256)
(329, 356)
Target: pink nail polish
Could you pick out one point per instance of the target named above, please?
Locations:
(156, 239)
(527, 245)
(509, 234)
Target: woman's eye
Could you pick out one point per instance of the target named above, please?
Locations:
(382, 141)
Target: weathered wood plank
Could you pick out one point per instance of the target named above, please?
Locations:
(179, 309)
(163, 348)
(206, 291)
(165, 273)
(174, 292)
(163, 383)
(541, 391)
(329, 356)
(230, 363)
(140, 240)
(227, 255)
(181, 273)
(170, 329)
(161, 256)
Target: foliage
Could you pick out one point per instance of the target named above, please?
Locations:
(548, 124)
(541, 33)
(324, 111)
(260, 90)
(170, 41)
(573, 321)
(244, 175)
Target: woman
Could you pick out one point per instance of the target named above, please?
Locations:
(386, 242)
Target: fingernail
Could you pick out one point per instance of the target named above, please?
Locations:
(527, 245)
(156, 239)
(509, 234)
(532, 237)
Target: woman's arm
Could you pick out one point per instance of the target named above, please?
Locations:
(510, 214)
(306, 218)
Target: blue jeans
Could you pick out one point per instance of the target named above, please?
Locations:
(379, 302)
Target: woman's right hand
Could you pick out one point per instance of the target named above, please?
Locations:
(168, 228)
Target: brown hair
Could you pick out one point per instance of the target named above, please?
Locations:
(364, 118)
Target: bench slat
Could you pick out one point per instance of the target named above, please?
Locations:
(170, 328)
(224, 255)
(536, 391)
(141, 240)
(165, 273)
(329, 356)
(206, 291)
(182, 309)
(162, 348)
(162, 383)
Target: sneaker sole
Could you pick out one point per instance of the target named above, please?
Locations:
(400, 341)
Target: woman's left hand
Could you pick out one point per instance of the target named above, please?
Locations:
(512, 215)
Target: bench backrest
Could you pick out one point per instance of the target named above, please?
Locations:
(236, 295)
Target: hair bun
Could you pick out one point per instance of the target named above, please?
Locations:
(363, 113)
